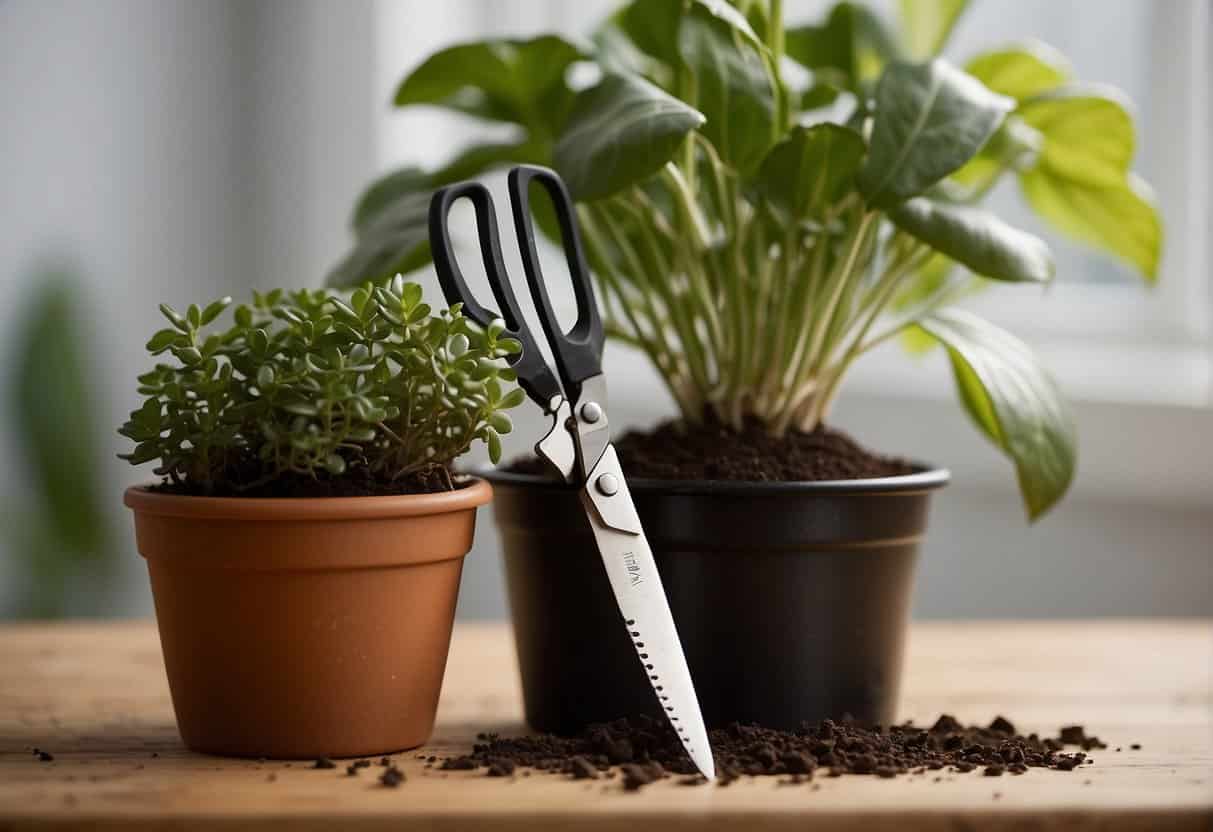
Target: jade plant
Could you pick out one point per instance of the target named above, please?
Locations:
(314, 385)
(763, 204)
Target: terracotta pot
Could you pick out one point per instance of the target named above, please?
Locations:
(791, 598)
(295, 628)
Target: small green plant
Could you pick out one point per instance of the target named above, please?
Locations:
(309, 384)
(762, 205)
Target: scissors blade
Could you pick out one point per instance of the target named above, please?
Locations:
(638, 592)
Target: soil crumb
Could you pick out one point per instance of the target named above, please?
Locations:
(644, 751)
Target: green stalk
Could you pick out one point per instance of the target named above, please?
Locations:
(592, 239)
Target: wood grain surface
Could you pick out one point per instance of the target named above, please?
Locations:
(94, 695)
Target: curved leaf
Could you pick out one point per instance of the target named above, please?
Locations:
(1087, 132)
(806, 172)
(1120, 218)
(621, 131)
(852, 41)
(385, 190)
(395, 240)
(976, 238)
(1081, 182)
(930, 119)
(928, 23)
(1022, 71)
(502, 79)
(734, 89)
(1014, 401)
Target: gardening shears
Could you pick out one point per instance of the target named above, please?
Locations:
(578, 443)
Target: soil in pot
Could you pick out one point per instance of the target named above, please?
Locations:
(355, 482)
(713, 451)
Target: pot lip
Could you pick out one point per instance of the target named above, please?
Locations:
(142, 500)
(925, 478)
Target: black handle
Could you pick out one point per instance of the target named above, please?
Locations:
(578, 352)
(534, 375)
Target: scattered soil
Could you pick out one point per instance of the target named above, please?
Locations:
(647, 750)
(713, 451)
(324, 762)
(392, 777)
(356, 482)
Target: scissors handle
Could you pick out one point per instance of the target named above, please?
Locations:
(534, 375)
(578, 352)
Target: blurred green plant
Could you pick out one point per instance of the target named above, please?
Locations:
(307, 383)
(58, 526)
(752, 247)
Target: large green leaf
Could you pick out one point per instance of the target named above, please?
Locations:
(1120, 218)
(930, 119)
(384, 191)
(734, 88)
(1021, 71)
(1088, 132)
(652, 25)
(1081, 182)
(621, 131)
(928, 23)
(395, 240)
(977, 239)
(1014, 401)
(807, 171)
(852, 45)
(390, 219)
(501, 79)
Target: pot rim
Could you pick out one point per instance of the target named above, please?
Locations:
(144, 501)
(924, 478)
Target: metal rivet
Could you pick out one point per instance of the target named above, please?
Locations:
(591, 412)
(607, 485)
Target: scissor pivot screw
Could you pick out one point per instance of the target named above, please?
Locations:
(591, 412)
(607, 485)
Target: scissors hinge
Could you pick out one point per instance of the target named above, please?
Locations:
(589, 425)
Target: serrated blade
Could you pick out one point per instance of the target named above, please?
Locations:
(641, 599)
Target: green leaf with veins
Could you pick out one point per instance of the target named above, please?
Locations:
(977, 239)
(810, 169)
(852, 46)
(1119, 218)
(735, 90)
(1014, 401)
(501, 80)
(1081, 182)
(1021, 72)
(621, 131)
(928, 23)
(930, 119)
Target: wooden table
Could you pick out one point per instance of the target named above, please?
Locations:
(94, 695)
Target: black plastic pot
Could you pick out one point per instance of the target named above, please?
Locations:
(791, 599)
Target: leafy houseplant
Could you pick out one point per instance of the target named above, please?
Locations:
(753, 249)
(762, 205)
(310, 625)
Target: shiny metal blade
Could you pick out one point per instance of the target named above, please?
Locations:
(642, 602)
